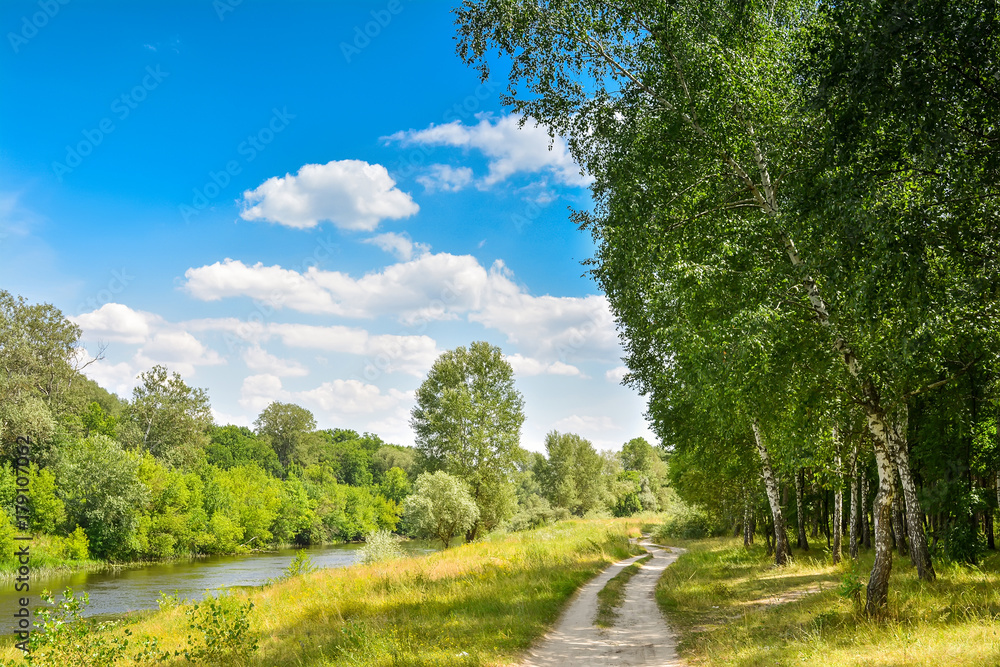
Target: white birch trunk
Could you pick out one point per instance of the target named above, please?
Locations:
(855, 518)
(919, 549)
(782, 554)
(838, 497)
(878, 582)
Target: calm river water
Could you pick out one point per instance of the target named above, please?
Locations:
(139, 588)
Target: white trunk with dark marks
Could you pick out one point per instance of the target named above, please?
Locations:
(782, 553)
(838, 497)
(855, 517)
(919, 550)
(878, 581)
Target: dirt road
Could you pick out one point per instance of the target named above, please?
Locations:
(640, 636)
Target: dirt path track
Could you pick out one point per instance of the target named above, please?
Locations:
(640, 637)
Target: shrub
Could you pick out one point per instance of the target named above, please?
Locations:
(380, 545)
(301, 564)
(62, 637)
(76, 546)
(223, 627)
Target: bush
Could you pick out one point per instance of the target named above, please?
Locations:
(223, 624)
(380, 545)
(301, 564)
(76, 546)
(687, 522)
(62, 638)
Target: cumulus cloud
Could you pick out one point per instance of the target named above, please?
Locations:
(445, 178)
(336, 399)
(527, 367)
(399, 245)
(616, 374)
(510, 149)
(117, 323)
(178, 350)
(351, 194)
(583, 424)
(258, 359)
(431, 287)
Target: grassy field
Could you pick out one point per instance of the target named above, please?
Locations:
(478, 604)
(732, 607)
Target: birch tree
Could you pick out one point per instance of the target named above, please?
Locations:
(686, 114)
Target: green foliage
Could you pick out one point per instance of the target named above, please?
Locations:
(572, 477)
(48, 511)
(171, 418)
(285, 425)
(76, 546)
(395, 486)
(97, 420)
(380, 545)
(301, 564)
(221, 633)
(62, 637)
(231, 446)
(440, 507)
(467, 421)
(103, 494)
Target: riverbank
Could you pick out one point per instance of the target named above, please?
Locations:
(731, 606)
(481, 603)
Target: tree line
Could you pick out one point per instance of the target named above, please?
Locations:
(797, 230)
(153, 476)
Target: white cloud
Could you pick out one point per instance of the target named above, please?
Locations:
(335, 399)
(351, 194)
(118, 323)
(258, 359)
(401, 246)
(259, 391)
(224, 419)
(431, 287)
(445, 178)
(351, 397)
(584, 424)
(616, 374)
(527, 367)
(509, 148)
(177, 350)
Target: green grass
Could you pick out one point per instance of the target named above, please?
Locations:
(611, 597)
(477, 604)
(732, 607)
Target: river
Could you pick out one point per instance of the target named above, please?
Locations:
(132, 589)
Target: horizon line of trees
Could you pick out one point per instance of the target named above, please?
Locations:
(153, 477)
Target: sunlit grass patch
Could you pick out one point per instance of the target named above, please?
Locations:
(478, 604)
(731, 606)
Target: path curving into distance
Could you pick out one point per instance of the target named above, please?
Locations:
(640, 638)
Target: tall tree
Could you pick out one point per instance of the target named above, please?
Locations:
(286, 426)
(172, 418)
(686, 111)
(467, 421)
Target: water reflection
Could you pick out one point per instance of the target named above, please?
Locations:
(139, 588)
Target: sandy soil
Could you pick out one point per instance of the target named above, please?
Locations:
(640, 636)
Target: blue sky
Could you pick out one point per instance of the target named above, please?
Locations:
(296, 201)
